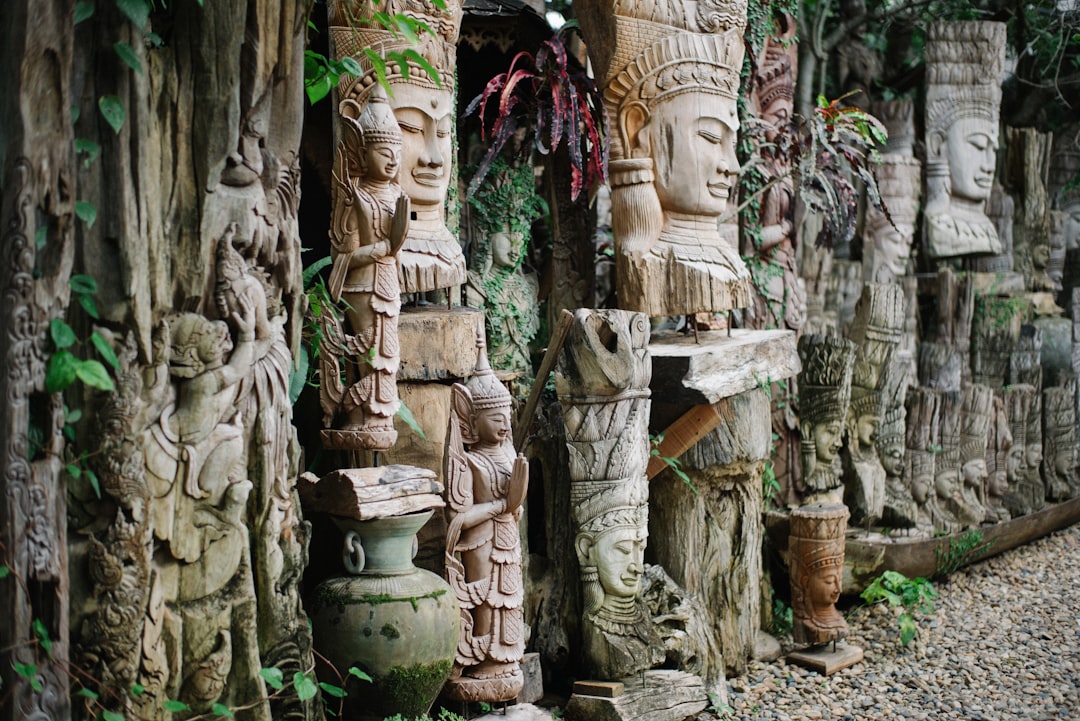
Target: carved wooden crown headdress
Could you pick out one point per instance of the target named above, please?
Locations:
(1017, 406)
(965, 62)
(818, 531)
(825, 380)
(899, 180)
(775, 78)
(376, 121)
(975, 415)
(600, 506)
(484, 386)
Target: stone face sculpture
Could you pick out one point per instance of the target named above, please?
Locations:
(824, 393)
(998, 446)
(781, 300)
(876, 332)
(1059, 441)
(485, 487)
(602, 379)
(370, 223)
(431, 257)
(816, 550)
(976, 416)
(887, 246)
(964, 62)
(670, 74)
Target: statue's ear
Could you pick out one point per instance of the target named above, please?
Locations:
(632, 118)
(935, 144)
(583, 544)
(462, 408)
(349, 108)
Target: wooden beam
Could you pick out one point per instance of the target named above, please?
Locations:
(555, 344)
(690, 428)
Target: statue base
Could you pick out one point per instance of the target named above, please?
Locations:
(656, 695)
(827, 659)
(494, 689)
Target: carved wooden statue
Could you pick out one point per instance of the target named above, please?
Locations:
(824, 393)
(816, 551)
(898, 117)
(899, 510)
(955, 514)
(995, 330)
(486, 483)
(780, 301)
(998, 447)
(964, 66)
(1064, 165)
(887, 246)
(1025, 169)
(876, 332)
(1059, 442)
(370, 222)
(431, 257)
(670, 74)
(999, 209)
(603, 383)
(976, 416)
(922, 435)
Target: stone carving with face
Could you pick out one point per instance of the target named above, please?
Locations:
(964, 69)
(999, 445)
(1059, 443)
(431, 258)
(824, 391)
(976, 416)
(816, 552)
(887, 246)
(671, 78)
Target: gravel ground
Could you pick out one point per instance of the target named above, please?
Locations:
(1003, 644)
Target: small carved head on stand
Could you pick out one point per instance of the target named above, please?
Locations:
(816, 551)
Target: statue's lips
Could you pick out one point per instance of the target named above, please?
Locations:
(985, 181)
(719, 190)
(430, 179)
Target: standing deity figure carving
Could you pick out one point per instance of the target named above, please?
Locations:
(370, 224)
(923, 412)
(431, 257)
(900, 510)
(780, 301)
(964, 66)
(1017, 400)
(824, 393)
(1059, 441)
(876, 332)
(948, 483)
(998, 447)
(887, 245)
(816, 552)
(486, 483)
(976, 415)
(670, 73)
(602, 379)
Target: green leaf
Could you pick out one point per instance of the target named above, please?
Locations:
(127, 54)
(88, 304)
(87, 693)
(332, 690)
(298, 378)
(62, 334)
(73, 470)
(26, 670)
(96, 485)
(5, 571)
(112, 716)
(93, 374)
(41, 237)
(42, 633)
(113, 111)
(304, 685)
(83, 11)
(319, 89)
(273, 677)
(86, 212)
(907, 628)
(354, 671)
(137, 689)
(175, 706)
(219, 708)
(75, 113)
(312, 270)
(92, 150)
(62, 371)
(352, 67)
(422, 62)
(105, 350)
(406, 415)
(83, 283)
(137, 11)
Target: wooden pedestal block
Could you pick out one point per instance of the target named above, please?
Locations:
(664, 696)
(436, 343)
(825, 660)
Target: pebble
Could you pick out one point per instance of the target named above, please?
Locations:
(1003, 644)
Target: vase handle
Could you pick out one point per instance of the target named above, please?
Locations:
(352, 555)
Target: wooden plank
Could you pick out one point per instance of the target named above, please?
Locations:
(364, 493)
(604, 689)
(690, 428)
(558, 337)
(825, 660)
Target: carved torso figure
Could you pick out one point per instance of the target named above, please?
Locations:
(431, 257)
(485, 487)
(671, 78)
(824, 392)
(370, 221)
(816, 550)
(922, 435)
(976, 415)
(999, 445)
(964, 68)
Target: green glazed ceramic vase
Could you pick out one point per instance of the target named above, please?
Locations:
(393, 621)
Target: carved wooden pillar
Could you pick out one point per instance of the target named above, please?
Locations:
(37, 234)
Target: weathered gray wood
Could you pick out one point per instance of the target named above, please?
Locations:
(718, 366)
(37, 186)
(437, 344)
(664, 696)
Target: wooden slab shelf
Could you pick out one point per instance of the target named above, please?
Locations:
(718, 365)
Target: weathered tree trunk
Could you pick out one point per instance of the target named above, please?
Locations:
(37, 159)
